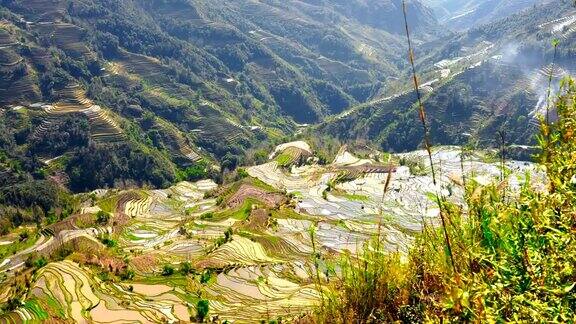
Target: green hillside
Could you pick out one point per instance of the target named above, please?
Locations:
(164, 84)
(287, 161)
(489, 79)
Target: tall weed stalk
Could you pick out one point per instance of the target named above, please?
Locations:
(427, 142)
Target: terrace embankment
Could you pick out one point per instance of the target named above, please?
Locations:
(245, 247)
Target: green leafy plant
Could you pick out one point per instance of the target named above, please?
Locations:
(127, 274)
(186, 268)
(202, 309)
(167, 270)
(108, 241)
(205, 277)
(102, 217)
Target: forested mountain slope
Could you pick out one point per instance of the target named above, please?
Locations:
(488, 79)
(101, 93)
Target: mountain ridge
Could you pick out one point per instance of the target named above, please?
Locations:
(490, 78)
(470, 14)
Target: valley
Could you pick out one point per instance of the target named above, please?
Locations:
(475, 66)
(244, 247)
(242, 161)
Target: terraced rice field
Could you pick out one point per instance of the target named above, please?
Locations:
(177, 143)
(157, 217)
(68, 37)
(39, 56)
(135, 208)
(214, 124)
(83, 298)
(247, 191)
(6, 38)
(48, 242)
(44, 10)
(241, 251)
(256, 271)
(25, 89)
(103, 126)
(222, 130)
(19, 83)
(405, 206)
(141, 65)
(255, 292)
(186, 12)
(342, 71)
(244, 247)
(563, 27)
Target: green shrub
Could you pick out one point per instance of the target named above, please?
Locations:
(195, 172)
(104, 276)
(168, 270)
(228, 234)
(102, 217)
(208, 215)
(108, 241)
(34, 261)
(202, 309)
(205, 277)
(242, 173)
(186, 268)
(127, 274)
(12, 304)
(23, 236)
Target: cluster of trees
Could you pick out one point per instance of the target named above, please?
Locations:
(40, 193)
(64, 134)
(33, 202)
(198, 171)
(26, 195)
(110, 165)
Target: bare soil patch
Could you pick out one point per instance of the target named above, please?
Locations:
(270, 199)
(258, 219)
